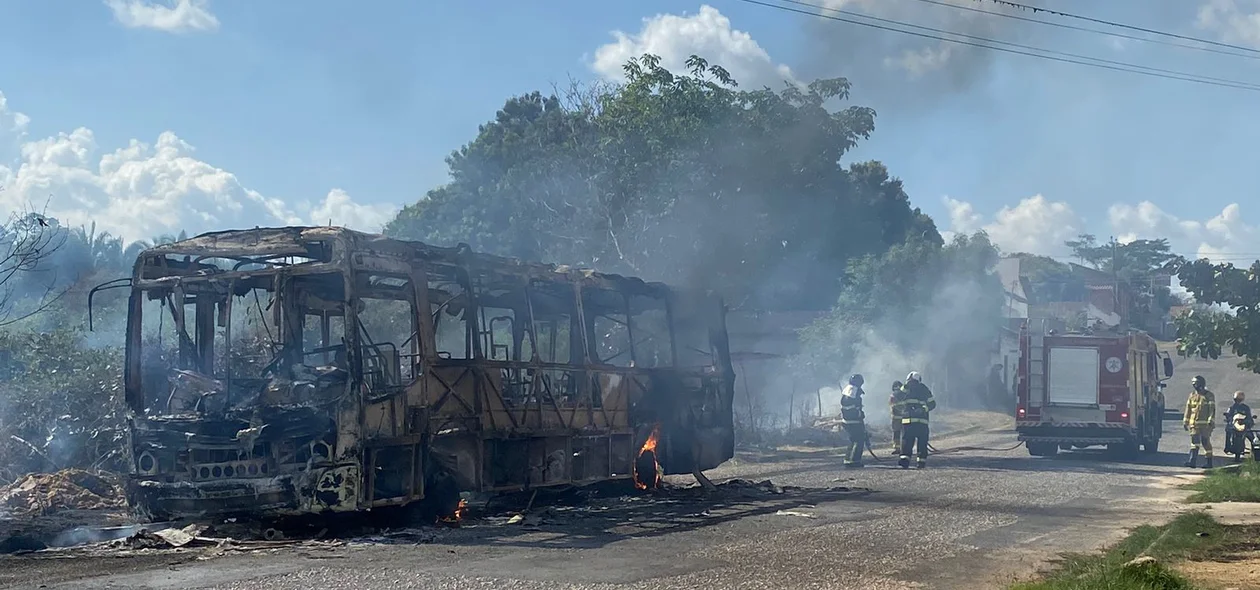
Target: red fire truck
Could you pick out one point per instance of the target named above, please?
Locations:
(1077, 390)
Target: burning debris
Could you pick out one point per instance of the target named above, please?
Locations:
(71, 489)
(457, 517)
(647, 467)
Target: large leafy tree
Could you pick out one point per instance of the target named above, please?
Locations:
(1228, 314)
(1144, 265)
(683, 178)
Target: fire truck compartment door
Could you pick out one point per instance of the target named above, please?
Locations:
(1073, 379)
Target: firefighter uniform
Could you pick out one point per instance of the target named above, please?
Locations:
(918, 403)
(896, 409)
(853, 419)
(1198, 420)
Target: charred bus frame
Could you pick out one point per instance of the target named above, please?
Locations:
(317, 369)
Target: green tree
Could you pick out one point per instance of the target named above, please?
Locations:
(1139, 264)
(1048, 279)
(682, 178)
(1228, 298)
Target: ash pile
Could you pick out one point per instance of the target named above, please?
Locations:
(39, 494)
(42, 510)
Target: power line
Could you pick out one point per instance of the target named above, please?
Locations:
(1091, 19)
(1252, 53)
(1073, 59)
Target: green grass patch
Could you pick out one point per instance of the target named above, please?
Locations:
(1229, 485)
(1187, 536)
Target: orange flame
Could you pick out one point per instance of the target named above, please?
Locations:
(456, 518)
(649, 446)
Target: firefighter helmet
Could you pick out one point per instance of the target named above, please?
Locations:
(1198, 381)
(856, 380)
(914, 376)
(897, 385)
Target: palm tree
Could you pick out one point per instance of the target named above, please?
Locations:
(99, 251)
(133, 250)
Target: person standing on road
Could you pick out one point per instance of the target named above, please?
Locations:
(896, 409)
(853, 419)
(1198, 420)
(1235, 439)
(919, 403)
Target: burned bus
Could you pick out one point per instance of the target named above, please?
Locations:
(308, 370)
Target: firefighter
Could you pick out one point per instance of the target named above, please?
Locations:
(919, 403)
(895, 410)
(1199, 418)
(1235, 438)
(853, 419)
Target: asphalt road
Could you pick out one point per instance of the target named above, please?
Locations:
(971, 520)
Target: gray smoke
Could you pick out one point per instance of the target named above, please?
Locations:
(902, 72)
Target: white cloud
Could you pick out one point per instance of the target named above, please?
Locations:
(1040, 226)
(1036, 224)
(1225, 237)
(172, 16)
(144, 189)
(1234, 21)
(675, 38)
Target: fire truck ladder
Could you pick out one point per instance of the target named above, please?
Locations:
(1037, 365)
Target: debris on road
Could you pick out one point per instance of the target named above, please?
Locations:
(167, 538)
(71, 489)
(794, 513)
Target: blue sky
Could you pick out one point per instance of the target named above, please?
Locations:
(305, 111)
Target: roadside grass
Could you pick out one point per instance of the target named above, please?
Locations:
(1187, 536)
(1229, 485)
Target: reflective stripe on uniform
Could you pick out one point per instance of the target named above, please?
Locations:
(914, 421)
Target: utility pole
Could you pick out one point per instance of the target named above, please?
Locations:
(1115, 277)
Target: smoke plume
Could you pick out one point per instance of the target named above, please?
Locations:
(898, 72)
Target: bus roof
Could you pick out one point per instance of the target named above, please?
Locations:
(297, 241)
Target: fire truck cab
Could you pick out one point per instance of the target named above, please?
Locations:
(1078, 390)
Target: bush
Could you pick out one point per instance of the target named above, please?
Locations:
(60, 402)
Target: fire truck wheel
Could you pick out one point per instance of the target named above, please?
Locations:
(1151, 447)
(1041, 449)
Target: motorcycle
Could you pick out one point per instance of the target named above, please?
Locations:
(1240, 434)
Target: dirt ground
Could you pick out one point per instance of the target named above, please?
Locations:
(1239, 571)
(1236, 565)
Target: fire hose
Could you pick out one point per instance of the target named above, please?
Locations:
(936, 451)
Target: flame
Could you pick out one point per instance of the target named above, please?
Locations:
(456, 518)
(649, 446)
